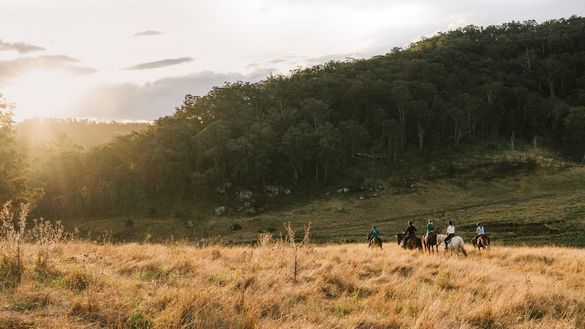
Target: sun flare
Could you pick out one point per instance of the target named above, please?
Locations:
(45, 93)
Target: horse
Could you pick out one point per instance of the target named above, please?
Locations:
(455, 245)
(482, 241)
(430, 242)
(375, 242)
(412, 243)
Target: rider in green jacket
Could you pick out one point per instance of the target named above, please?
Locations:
(373, 233)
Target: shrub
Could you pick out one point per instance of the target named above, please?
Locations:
(12, 229)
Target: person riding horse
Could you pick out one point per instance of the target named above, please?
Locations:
(450, 234)
(374, 233)
(480, 233)
(479, 230)
(430, 227)
(409, 233)
(429, 239)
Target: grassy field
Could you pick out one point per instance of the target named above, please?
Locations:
(544, 206)
(87, 285)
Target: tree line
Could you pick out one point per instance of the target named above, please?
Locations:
(517, 81)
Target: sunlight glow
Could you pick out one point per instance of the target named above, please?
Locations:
(45, 93)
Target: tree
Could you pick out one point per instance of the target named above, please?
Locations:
(575, 131)
(401, 96)
(12, 182)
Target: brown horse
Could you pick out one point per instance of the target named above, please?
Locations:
(375, 242)
(412, 243)
(430, 242)
(482, 241)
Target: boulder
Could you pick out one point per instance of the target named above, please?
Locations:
(220, 211)
(251, 211)
(235, 227)
(343, 190)
(245, 195)
(287, 191)
(272, 190)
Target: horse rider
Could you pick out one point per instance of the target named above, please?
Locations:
(479, 231)
(409, 233)
(374, 233)
(450, 234)
(430, 227)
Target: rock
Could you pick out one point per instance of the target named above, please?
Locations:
(272, 190)
(251, 211)
(220, 211)
(327, 194)
(362, 197)
(375, 195)
(239, 209)
(339, 210)
(287, 191)
(245, 195)
(343, 190)
(220, 190)
(247, 204)
(362, 188)
(190, 224)
(235, 227)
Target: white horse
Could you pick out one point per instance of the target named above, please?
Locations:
(455, 245)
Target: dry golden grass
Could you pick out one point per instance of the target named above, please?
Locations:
(86, 285)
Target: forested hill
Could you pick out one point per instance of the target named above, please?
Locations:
(36, 133)
(522, 82)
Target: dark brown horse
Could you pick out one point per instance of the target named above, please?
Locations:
(375, 242)
(430, 242)
(482, 241)
(412, 243)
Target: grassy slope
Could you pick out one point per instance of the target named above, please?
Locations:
(339, 286)
(540, 207)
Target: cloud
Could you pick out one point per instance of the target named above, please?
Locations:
(161, 63)
(20, 47)
(131, 101)
(148, 33)
(11, 69)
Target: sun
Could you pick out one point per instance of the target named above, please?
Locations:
(44, 93)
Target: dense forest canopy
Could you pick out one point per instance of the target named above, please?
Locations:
(519, 80)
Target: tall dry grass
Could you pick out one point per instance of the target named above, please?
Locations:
(336, 286)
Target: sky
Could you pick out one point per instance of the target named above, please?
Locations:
(137, 59)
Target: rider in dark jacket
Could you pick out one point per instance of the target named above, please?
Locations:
(409, 233)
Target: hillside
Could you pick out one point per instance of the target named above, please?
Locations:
(517, 205)
(85, 285)
(338, 123)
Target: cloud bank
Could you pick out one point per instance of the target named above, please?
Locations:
(20, 47)
(131, 101)
(161, 63)
(11, 69)
(148, 33)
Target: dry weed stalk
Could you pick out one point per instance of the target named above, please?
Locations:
(290, 239)
(12, 235)
(265, 239)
